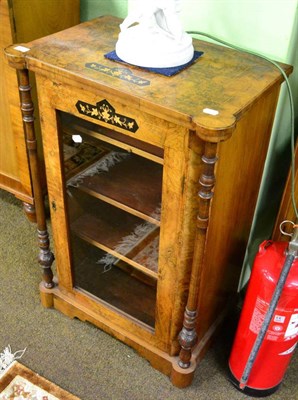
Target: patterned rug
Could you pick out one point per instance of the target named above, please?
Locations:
(20, 383)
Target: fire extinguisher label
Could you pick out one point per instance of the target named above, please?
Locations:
(258, 315)
(283, 326)
(292, 329)
(279, 318)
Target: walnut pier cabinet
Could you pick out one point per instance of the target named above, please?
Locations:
(152, 185)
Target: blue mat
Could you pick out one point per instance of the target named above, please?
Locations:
(163, 71)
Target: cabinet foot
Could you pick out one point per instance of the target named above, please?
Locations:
(46, 296)
(30, 211)
(182, 377)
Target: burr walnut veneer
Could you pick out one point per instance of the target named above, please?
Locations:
(152, 185)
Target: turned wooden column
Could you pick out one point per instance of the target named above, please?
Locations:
(188, 335)
(45, 257)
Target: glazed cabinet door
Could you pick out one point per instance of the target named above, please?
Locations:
(116, 202)
(113, 199)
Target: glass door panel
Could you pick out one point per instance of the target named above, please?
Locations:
(114, 206)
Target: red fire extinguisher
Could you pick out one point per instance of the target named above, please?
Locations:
(267, 332)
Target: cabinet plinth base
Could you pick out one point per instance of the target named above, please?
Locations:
(159, 359)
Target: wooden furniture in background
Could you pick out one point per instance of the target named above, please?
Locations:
(118, 141)
(286, 209)
(22, 21)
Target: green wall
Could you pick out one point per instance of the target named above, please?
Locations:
(269, 27)
(94, 8)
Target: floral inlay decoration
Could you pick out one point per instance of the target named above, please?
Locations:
(120, 73)
(104, 111)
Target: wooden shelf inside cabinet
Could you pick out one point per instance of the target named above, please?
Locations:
(122, 235)
(114, 285)
(123, 179)
(131, 185)
(204, 167)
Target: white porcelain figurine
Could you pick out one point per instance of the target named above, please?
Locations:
(152, 36)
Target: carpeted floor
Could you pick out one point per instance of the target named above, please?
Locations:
(79, 357)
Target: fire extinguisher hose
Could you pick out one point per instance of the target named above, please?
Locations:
(292, 253)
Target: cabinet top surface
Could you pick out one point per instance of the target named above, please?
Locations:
(223, 80)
